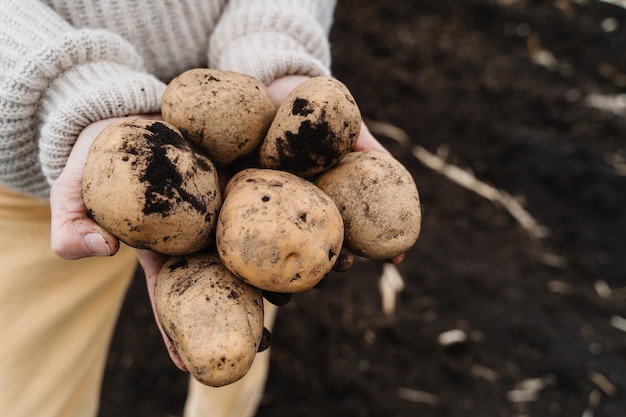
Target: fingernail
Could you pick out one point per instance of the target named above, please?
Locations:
(97, 245)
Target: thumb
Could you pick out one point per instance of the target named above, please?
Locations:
(73, 233)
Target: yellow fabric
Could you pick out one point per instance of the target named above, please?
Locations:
(56, 316)
(240, 399)
(56, 322)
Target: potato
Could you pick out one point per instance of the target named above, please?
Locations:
(317, 125)
(214, 319)
(225, 113)
(379, 203)
(278, 231)
(143, 183)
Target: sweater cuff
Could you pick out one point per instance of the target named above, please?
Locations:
(274, 39)
(267, 56)
(58, 74)
(85, 94)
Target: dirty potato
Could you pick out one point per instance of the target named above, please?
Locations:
(379, 203)
(225, 113)
(214, 319)
(143, 183)
(278, 231)
(317, 125)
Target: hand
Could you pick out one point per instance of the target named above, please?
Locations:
(73, 233)
(279, 89)
(152, 262)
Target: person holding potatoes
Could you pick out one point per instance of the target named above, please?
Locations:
(68, 70)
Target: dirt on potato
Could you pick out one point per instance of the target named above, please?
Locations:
(525, 95)
(316, 126)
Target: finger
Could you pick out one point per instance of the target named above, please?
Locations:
(171, 350)
(151, 263)
(344, 261)
(367, 142)
(397, 259)
(280, 88)
(73, 234)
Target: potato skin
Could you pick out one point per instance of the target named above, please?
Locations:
(225, 113)
(317, 125)
(278, 231)
(143, 183)
(214, 319)
(379, 203)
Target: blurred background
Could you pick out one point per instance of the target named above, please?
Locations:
(511, 116)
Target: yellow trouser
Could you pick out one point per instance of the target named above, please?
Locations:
(57, 319)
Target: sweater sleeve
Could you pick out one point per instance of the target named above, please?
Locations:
(267, 39)
(55, 80)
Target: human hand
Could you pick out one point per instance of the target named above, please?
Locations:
(73, 233)
(151, 262)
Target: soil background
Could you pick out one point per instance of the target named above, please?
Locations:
(511, 91)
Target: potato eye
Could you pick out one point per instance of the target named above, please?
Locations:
(265, 198)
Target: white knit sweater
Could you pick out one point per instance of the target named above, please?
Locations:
(67, 63)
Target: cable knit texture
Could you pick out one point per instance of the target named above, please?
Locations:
(67, 63)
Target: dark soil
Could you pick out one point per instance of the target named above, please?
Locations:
(459, 76)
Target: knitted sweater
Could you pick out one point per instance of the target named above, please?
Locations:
(67, 63)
